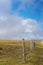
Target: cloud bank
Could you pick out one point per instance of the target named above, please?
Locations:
(15, 27)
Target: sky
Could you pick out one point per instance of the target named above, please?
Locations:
(21, 19)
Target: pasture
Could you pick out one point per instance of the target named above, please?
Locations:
(11, 53)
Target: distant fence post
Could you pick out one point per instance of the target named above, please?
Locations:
(24, 50)
(32, 46)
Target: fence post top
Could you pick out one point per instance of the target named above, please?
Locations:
(23, 39)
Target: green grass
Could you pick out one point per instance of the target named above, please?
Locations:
(12, 54)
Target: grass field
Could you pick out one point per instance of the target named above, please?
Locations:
(12, 53)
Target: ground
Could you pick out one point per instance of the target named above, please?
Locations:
(11, 53)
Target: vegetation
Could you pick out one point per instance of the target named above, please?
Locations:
(11, 53)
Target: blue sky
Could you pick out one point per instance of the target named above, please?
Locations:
(28, 8)
(21, 19)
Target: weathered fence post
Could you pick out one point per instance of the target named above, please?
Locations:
(32, 46)
(24, 50)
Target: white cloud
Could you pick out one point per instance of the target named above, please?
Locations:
(28, 30)
(15, 27)
(2, 32)
(5, 7)
(3, 18)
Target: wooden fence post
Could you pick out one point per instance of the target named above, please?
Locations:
(24, 50)
(32, 46)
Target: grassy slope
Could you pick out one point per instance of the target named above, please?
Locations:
(12, 53)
